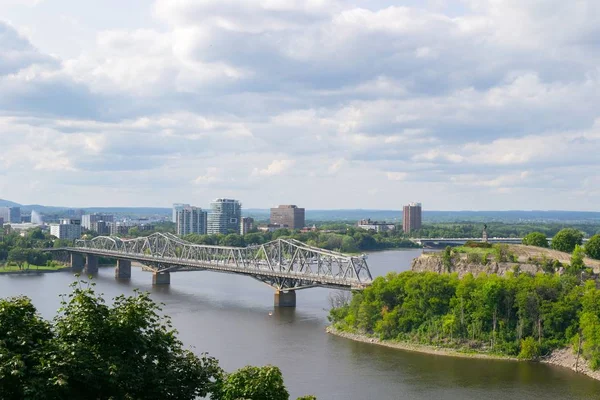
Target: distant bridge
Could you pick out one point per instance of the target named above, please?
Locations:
(286, 265)
(442, 241)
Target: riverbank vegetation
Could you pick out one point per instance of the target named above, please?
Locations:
(126, 350)
(26, 267)
(518, 315)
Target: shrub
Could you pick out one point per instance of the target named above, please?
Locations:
(530, 349)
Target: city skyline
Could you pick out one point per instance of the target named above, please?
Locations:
(463, 105)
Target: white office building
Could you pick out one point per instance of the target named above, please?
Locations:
(225, 216)
(67, 229)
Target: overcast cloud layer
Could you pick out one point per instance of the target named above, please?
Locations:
(473, 104)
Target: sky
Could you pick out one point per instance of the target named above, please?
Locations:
(328, 104)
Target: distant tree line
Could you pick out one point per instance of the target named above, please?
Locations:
(352, 240)
(499, 229)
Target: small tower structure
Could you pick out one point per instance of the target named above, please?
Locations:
(484, 236)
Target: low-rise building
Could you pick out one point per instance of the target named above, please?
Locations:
(272, 227)
(376, 226)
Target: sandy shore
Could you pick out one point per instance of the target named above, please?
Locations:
(562, 357)
(421, 348)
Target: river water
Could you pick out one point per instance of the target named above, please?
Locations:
(228, 317)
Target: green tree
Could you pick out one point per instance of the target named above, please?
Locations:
(255, 383)
(99, 352)
(530, 349)
(447, 258)
(590, 324)
(18, 256)
(24, 338)
(592, 247)
(127, 350)
(566, 240)
(535, 239)
(577, 263)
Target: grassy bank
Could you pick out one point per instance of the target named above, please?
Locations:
(12, 268)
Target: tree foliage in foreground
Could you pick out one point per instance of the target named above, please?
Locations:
(124, 351)
(517, 315)
(592, 247)
(535, 239)
(566, 240)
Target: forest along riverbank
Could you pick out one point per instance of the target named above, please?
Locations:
(516, 305)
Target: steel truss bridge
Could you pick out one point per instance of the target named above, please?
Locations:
(284, 264)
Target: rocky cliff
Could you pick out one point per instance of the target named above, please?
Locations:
(432, 262)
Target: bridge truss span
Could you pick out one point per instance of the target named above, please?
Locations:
(285, 264)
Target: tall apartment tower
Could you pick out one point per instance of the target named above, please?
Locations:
(411, 217)
(289, 215)
(11, 215)
(246, 225)
(190, 220)
(225, 216)
(176, 207)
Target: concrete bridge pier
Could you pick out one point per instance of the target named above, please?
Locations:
(77, 262)
(285, 299)
(123, 270)
(91, 264)
(161, 278)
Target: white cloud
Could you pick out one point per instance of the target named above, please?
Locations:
(488, 98)
(277, 167)
(396, 176)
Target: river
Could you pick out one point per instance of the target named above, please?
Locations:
(228, 317)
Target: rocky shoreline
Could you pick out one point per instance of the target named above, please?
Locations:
(568, 359)
(561, 358)
(420, 348)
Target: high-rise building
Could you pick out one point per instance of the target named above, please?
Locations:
(177, 207)
(289, 215)
(246, 225)
(224, 216)
(11, 215)
(90, 221)
(69, 229)
(411, 217)
(190, 220)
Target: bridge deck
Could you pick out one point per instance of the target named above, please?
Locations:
(283, 263)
